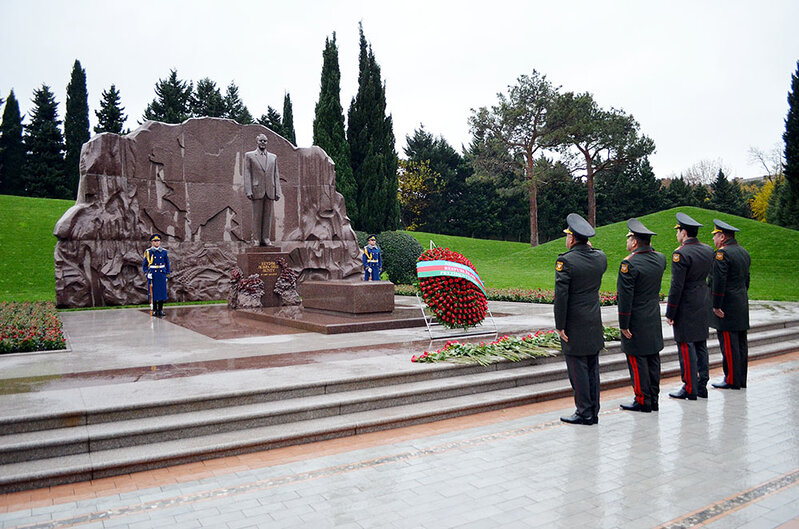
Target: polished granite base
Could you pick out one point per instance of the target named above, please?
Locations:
(329, 322)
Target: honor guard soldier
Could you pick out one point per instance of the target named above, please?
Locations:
(578, 320)
(729, 283)
(687, 307)
(372, 260)
(638, 289)
(156, 266)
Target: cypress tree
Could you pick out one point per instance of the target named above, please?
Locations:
(110, 117)
(272, 121)
(288, 120)
(328, 127)
(371, 138)
(44, 171)
(76, 123)
(234, 107)
(12, 151)
(171, 103)
(786, 205)
(206, 100)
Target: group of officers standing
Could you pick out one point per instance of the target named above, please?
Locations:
(708, 289)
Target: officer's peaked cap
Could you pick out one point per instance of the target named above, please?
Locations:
(579, 226)
(637, 227)
(684, 221)
(155, 237)
(723, 226)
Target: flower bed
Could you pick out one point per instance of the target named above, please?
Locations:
(30, 326)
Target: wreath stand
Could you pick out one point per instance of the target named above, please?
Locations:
(437, 331)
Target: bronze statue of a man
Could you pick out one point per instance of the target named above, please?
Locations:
(262, 186)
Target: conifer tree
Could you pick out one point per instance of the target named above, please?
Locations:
(206, 100)
(328, 127)
(110, 117)
(372, 155)
(234, 107)
(76, 123)
(272, 120)
(784, 205)
(12, 151)
(726, 196)
(171, 103)
(288, 120)
(44, 172)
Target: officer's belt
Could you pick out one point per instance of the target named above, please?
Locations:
(157, 266)
(371, 261)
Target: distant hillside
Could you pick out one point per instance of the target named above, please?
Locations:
(27, 245)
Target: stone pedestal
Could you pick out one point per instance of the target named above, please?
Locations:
(262, 260)
(360, 297)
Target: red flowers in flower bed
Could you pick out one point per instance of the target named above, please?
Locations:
(456, 302)
(30, 327)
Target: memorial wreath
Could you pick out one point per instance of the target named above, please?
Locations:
(451, 288)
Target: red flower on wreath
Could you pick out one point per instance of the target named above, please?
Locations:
(456, 302)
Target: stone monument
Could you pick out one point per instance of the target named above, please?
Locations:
(186, 182)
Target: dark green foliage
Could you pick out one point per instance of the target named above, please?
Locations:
(726, 196)
(234, 107)
(371, 138)
(288, 120)
(559, 194)
(12, 150)
(678, 193)
(44, 173)
(110, 117)
(328, 127)
(272, 121)
(627, 191)
(362, 238)
(76, 124)
(172, 100)
(400, 252)
(206, 100)
(783, 207)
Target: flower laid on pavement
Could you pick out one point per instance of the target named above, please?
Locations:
(30, 326)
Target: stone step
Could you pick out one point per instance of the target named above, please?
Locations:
(99, 453)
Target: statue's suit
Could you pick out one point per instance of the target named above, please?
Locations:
(262, 185)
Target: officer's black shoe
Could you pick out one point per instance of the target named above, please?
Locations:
(645, 408)
(579, 419)
(682, 394)
(655, 405)
(724, 385)
(701, 393)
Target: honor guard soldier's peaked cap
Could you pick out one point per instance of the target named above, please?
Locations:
(371, 238)
(723, 226)
(579, 226)
(155, 237)
(637, 227)
(684, 221)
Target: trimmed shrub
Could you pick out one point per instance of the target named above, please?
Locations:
(400, 252)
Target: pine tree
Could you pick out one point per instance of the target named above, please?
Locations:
(328, 127)
(234, 107)
(371, 138)
(44, 171)
(171, 103)
(272, 121)
(786, 203)
(726, 196)
(110, 117)
(12, 150)
(206, 100)
(76, 123)
(288, 120)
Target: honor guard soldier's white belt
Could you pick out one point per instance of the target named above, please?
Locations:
(157, 266)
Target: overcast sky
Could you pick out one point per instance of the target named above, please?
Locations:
(706, 80)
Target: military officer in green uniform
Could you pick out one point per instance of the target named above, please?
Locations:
(687, 307)
(638, 289)
(578, 320)
(729, 285)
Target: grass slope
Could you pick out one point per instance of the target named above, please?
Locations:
(774, 251)
(27, 245)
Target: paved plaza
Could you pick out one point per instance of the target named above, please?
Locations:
(729, 461)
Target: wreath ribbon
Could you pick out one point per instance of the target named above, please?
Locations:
(448, 268)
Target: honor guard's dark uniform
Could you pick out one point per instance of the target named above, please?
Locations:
(578, 274)
(372, 261)
(638, 289)
(687, 308)
(155, 266)
(729, 287)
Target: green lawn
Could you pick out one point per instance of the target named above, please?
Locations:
(774, 250)
(27, 244)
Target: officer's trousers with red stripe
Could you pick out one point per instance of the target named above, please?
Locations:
(645, 377)
(735, 357)
(693, 366)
